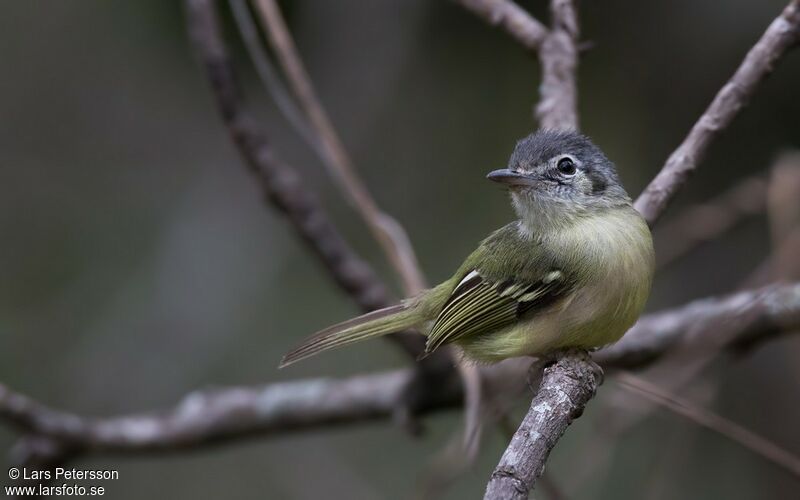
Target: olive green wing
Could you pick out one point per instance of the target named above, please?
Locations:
(480, 305)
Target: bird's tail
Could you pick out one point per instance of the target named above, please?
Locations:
(374, 324)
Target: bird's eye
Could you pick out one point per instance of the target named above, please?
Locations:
(566, 166)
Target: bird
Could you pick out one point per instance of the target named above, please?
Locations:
(573, 271)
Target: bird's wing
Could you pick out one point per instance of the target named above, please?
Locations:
(480, 305)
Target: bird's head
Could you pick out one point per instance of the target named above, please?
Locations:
(560, 174)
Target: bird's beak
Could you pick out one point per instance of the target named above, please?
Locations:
(510, 178)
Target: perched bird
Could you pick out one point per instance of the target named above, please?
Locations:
(573, 271)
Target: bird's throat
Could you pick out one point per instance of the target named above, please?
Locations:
(541, 215)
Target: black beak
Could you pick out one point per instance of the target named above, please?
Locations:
(510, 178)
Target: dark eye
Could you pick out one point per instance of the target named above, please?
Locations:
(566, 166)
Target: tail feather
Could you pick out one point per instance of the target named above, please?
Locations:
(370, 325)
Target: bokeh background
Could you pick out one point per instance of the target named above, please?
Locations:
(138, 262)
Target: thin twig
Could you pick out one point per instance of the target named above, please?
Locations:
(228, 414)
(281, 183)
(712, 421)
(509, 16)
(565, 389)
(269, 75)
(386, 230)
(781, 35)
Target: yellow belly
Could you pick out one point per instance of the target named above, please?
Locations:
(618, 256)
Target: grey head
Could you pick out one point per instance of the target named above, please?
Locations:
(560, 171)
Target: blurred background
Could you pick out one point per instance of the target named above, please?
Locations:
(138, 261)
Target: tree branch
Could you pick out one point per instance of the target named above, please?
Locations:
(558, 54)
(223, 415)
(269, 76)
(281, 183)
(781, 35)
(387, 231)
(710, 420)
(768, 311)
(509, 16)
(208, 417)
(565, 389)
(556, 47)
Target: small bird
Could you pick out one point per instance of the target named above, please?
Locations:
(573, 271)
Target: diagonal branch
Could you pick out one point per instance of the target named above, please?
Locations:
(565, 389)
(387, 231)
(281, 183)
(780, 36)
(509, 16)
(229, 414)
(269, 76)
(710, 420)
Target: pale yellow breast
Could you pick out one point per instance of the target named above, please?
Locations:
(613, 256)
(617, 250)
